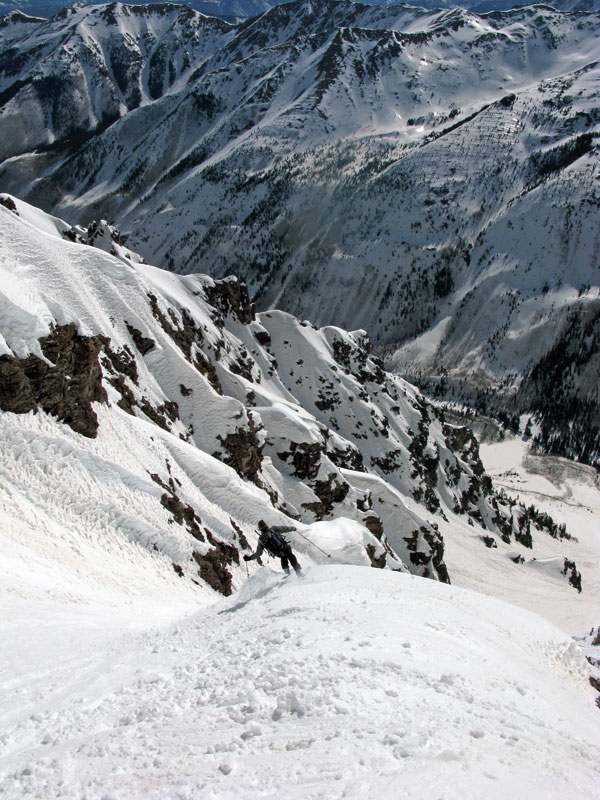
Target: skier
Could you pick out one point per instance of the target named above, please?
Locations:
(272, 540)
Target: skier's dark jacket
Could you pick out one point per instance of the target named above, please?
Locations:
(273, 542)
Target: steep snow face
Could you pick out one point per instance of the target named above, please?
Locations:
(179, 418)
(349, 683)
(432, 174)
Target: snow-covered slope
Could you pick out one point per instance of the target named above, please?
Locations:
(350, 683)
(429, 176)
(148, 421)
(167, 414)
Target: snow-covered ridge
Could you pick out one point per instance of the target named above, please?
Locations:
(179, 418)
(432, 173)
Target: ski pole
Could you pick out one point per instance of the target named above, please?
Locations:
(313, 544)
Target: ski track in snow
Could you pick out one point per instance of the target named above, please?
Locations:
(347, 683)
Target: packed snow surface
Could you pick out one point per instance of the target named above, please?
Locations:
(349, 683)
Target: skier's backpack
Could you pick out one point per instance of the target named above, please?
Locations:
(276, 543)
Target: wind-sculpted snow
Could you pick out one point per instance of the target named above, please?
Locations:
(163, 411)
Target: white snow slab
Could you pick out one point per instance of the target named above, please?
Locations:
(351, 683)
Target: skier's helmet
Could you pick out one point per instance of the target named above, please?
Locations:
(262, 525)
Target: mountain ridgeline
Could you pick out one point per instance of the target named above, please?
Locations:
(177, 416)
(430, 176)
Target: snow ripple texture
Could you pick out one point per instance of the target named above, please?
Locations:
(348, 683)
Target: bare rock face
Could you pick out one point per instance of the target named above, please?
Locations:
(306, 459)
(230, 296)
(330, 492)
(213, 566)
(9, 203)
(570, 569)
(65, 385)
(189, 338)
(244, 452)
(16, 394)
(426, 546)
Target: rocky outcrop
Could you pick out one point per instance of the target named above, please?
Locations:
(305, 458)
(213, 566)
(143, 343)
(330, 492)
(64, 384)
(243, 451)
(426, 550)
(186, 333)
(230, 296)
(570, 569)
(9, 203)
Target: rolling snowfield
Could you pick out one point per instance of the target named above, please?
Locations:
(124, 676)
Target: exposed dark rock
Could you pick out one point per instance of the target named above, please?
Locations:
(356, 361)
(66, 388)
(489, 541)
(143, 343)
(329, 492)
(243, 366)
(376, 561)
(178, 570)
(574, 575)
(374, 525)
(184, 390)
(306, 458)
(157, 479)
(263, 338)
(350, 458)
(244, 451)
(240, 534)
(127, 401)
(426, 548)
(425, 462)
(9, 203)
(16, 394)
(122, 361)
(163, 415)
(328, 398)
(213, 566)
(182, 514)
(389, 462)
(231, 298)
(462, 440)
(185, 337)
(204, 365)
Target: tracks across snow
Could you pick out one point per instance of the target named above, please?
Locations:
(348, 683)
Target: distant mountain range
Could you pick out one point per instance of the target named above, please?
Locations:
(429, 176)
(232, 10)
